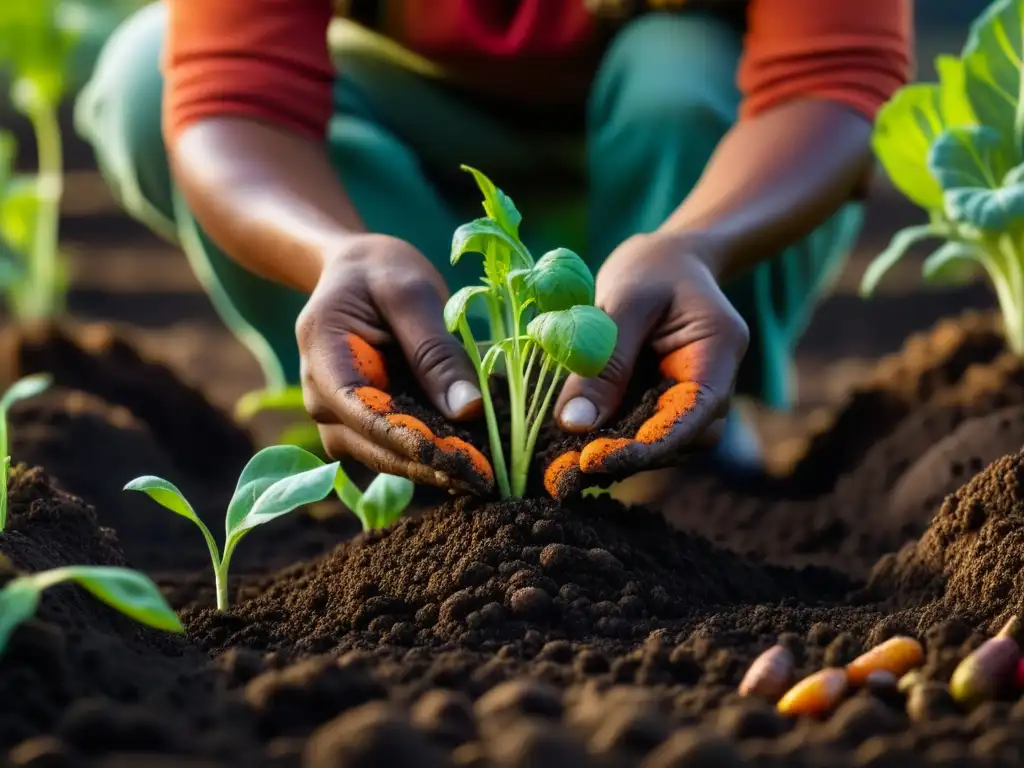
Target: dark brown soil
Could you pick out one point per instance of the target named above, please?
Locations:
(526, 634)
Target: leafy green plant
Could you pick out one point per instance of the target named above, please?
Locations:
(22, 389)
(383, 501)
(129, 592)
(543, 325)
(37, 41)
(956, 148)
(274, 482)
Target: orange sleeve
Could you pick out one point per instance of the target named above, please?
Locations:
(855, 52)
(264, 59)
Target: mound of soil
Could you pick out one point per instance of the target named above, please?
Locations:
(477, 575)
(971, 558)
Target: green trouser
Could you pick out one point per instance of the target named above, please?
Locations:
(663, 97)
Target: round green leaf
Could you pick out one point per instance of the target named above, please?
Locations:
(289, 478)
(384, 501)
(560, 280)
(264, 469)
(581, 339)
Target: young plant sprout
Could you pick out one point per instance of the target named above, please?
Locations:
(543, 325)
(274, 482)
(37, 42)
(383, 501)
(22, 389)
(303, 432)
(956, 148)
(129, 592)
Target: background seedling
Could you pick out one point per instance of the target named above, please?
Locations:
(127, 591)
(274, 482)
(543, 325)
(956, 148)
(383, 501)
(30, 386)
(303, 432)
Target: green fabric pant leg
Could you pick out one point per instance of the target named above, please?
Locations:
(662, 100)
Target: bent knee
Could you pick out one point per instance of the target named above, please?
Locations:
(119, 112)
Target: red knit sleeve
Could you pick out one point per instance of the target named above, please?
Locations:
(264, 59)
(856, 52)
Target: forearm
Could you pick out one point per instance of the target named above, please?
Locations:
(268, 197)
(773, 180)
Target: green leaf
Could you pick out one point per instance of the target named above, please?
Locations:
(497, 205)
(901, 242)
(560, 280)
(991, 210)
(384, 501)
(36, 40)
(581, 339)
(128, 591)
(164, 493)
(24, 388)
(458, 305)
(992, 69)
(274, 482)
(968, 156)
(305, 435)
(477, 235)
(956, 109)
(18, 602)
(348, 492)
(259, 400)
(904, 132)
(952, 264)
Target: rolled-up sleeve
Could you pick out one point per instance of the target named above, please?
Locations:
(855, 52)
(263, 59)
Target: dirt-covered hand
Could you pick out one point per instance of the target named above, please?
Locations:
(659, 293)
(376, 291)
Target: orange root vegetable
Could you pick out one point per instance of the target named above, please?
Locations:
(770, 676)
(815, 695)
(988, 670)
(897, 655)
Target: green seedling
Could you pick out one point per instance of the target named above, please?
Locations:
(288, 400)
(543, 325)
(127, 591)
(383, 501)
(956, 148)
(274, 482)
(22, 389)
(37, 42)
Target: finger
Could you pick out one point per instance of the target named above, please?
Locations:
(704, 371)
(336, 389)
(585, 404)
(415, 314)
(341, 442)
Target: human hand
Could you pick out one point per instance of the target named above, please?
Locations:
(658, 291)
(379, 290)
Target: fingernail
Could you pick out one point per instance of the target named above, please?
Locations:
(461, 395)
(579, 413)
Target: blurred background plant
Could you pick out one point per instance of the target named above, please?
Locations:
(46, 51)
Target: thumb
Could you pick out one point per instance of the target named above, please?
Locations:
(585, 404)
(415, 315)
